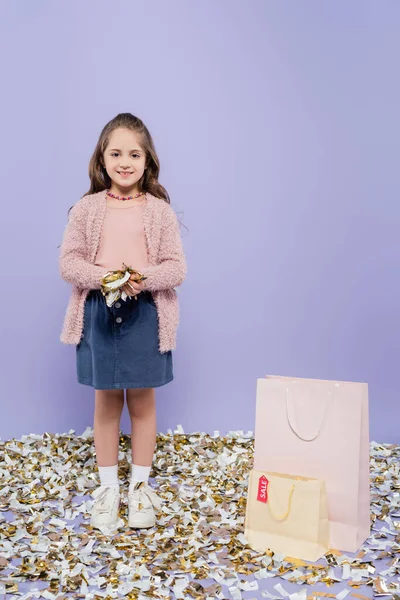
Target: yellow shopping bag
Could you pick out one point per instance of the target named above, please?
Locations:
(288, 515)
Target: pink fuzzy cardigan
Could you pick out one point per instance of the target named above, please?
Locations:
(166, 270)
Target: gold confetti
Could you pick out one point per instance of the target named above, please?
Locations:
(202, 481)
(330, 559)
(114, 281)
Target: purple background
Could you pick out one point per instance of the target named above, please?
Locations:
(277, 125)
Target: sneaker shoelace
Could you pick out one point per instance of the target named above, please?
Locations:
(103, 501)
(139, 496)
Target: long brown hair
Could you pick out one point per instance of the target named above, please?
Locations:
(99, 179)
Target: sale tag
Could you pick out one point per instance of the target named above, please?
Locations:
(262, 495)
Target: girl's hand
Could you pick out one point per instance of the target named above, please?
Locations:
(132, 288)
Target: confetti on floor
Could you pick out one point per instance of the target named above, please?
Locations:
(196, 551)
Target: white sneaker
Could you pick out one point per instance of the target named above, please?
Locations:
(106, 506)
(142, 501)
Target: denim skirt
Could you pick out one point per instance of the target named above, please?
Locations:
(119, 348)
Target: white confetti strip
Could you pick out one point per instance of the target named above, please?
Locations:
(45, 503)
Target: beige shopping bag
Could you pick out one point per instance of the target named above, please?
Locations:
(288, 515)
(319, 429)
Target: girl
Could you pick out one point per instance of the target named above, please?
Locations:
(125, 218)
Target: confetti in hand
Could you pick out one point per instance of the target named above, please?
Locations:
(114, 281)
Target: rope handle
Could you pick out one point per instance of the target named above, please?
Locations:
(292, 427)
(287, 513)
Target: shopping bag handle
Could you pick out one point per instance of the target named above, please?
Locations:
(287, 513)
(292, 427)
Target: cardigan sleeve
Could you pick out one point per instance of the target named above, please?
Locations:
(171, 268)
(74, 268)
